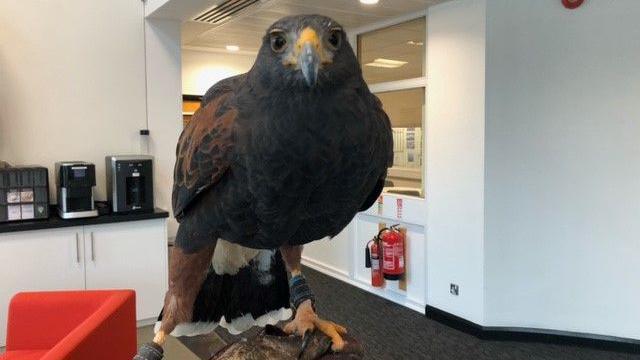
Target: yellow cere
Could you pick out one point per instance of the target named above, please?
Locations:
(307, 35)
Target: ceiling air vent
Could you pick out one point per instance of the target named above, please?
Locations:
(224, 11)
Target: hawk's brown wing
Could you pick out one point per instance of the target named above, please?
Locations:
(202, 156)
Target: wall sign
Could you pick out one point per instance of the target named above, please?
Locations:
(572, 4)
(399, 208)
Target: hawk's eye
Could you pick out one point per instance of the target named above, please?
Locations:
(335, 38)
(278, 41)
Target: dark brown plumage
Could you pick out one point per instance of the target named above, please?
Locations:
(269, 160)
(283, 155)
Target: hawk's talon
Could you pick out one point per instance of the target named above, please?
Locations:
(305, 342)
(306, 321)
(332, 330)
(160, 338)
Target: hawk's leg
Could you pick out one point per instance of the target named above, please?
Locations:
(187, 272)
(306, 318)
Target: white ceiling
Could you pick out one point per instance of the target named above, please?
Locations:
(246, 29)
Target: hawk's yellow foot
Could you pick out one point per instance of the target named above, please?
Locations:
(306, 320)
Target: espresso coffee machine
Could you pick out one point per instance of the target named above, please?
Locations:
(75, 181)
(130, 183)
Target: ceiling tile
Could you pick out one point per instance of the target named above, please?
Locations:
(247, 29)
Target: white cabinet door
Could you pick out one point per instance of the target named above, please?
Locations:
(39, 261)
(129, 255)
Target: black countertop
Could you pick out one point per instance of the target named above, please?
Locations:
(54, 221)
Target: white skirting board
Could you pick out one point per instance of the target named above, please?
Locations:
(344, 276)
(146, 322)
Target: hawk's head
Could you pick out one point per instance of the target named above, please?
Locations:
(306, 50)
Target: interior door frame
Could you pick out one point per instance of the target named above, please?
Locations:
(405, 84)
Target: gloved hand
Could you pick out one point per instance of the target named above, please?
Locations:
(274, 344)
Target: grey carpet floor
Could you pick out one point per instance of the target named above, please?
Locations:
(389, 331)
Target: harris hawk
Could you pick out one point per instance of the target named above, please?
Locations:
(275, 158)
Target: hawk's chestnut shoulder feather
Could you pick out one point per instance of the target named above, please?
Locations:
(203, 150)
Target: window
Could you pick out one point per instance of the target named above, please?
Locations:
(393, 53)
(405, 110)
(393, 63)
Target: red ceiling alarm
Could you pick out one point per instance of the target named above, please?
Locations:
(572, 4)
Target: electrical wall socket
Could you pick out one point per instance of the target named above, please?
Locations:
(454, 289)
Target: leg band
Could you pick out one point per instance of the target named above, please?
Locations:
(150, 351)
(300, 291)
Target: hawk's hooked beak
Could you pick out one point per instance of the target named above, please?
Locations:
(308, 52)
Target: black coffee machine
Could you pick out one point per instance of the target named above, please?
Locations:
(130, 183)
(75, 181)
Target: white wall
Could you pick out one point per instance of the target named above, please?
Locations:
(334, 255)
(563, 166)
(72, 81)
(201, 69)
(164, 105)
(455, 156)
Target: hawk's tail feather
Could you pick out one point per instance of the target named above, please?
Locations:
(254, 296)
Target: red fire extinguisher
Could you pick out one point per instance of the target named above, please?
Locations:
(392, 244)
(372, 260)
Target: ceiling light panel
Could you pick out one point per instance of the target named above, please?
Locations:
(386, 63)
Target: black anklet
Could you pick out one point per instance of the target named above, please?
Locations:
(149, 351)
(300, 291)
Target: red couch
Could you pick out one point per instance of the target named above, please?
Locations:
(72, 325)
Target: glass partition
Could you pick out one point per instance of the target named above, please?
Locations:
(393, 53)
(406, 111)
(388, 55)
